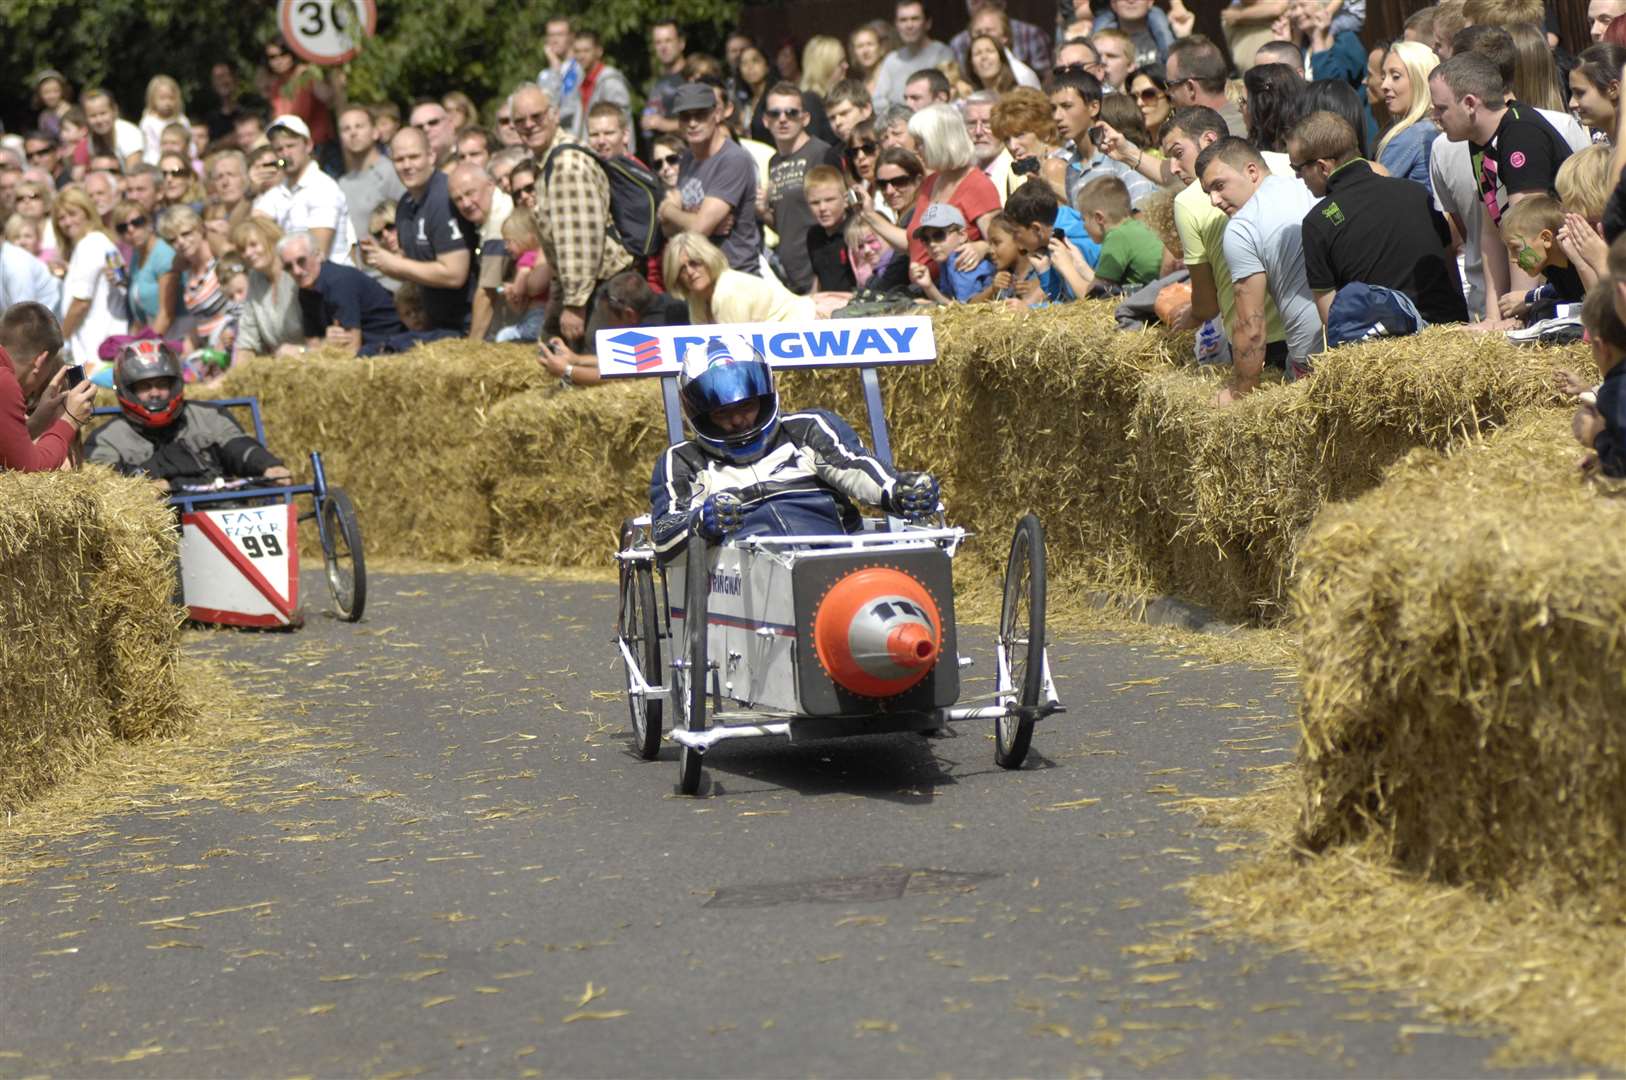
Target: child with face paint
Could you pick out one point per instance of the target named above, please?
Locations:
(1530, 228)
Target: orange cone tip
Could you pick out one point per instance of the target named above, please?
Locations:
(877, 632)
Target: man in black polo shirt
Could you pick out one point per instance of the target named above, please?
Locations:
(826, 195)
(1514, 150)
(338, 305)
(436, 242)
(1377, 230)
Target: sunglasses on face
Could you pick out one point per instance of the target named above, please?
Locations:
(270, 55)
(378, 233)
(292, 265)
(1149, 95)
(694, 116)
(663, 162)
(932, 236)
(35, 155)
(527, 189)
(782, 114)
(177, 172)
(885, 182)
(530, 120)
(133, 223)
(868, 149)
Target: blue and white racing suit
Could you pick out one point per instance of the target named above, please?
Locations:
(809, 482)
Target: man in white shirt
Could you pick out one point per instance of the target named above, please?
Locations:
(315, 204)
(1264, 251)
(917, 51)
(486, 206)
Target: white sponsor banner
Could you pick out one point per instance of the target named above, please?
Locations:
(658, 350)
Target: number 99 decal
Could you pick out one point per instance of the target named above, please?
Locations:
(258, 547)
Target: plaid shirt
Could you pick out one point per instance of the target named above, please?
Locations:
(1029, 44)
(573, 216)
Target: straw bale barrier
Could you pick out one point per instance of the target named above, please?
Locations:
(89, 631)
(1464, 666)
(455, 451)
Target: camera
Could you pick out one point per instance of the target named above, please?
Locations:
(1097, 133)
(1025, 167)
(75, 376)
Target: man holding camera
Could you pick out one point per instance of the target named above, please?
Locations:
(30, 341)
(716, 193)
(782, 204)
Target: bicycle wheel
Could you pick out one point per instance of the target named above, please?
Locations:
(1021, 635)
(342, 555)
(689, 688)
(639, 630)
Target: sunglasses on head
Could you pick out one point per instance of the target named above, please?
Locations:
(133, 223)
(782, 114)
(868, 149)
(668, 159)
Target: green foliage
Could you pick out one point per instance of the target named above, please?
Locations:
(423, 47)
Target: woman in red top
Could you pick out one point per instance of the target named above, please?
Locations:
(304, 91)
(952, 177)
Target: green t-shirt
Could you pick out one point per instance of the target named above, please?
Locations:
(1131, 254)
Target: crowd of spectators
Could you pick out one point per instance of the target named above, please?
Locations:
(1280, 192)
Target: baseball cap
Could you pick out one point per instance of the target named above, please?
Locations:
(942, 216)
(692, 96)
(291, 123)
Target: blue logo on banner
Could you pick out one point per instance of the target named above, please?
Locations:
(638, 351)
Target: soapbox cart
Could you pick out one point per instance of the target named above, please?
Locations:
(814, 637)
(239, 550)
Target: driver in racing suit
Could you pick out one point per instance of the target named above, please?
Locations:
(750, 470)
(166, 438)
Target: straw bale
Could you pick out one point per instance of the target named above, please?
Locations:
(1463, 663)
(89, 630)
(399, 433)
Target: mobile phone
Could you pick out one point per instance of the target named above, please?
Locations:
(1097, 133)
(75, 376)
(1059, 233)
(852, 197)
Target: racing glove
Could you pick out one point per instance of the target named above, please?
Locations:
(914, 495)
(719, 515)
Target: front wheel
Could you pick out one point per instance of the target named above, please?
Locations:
(342, 556)
(639, 632)
(689, 688)
(1021, 642)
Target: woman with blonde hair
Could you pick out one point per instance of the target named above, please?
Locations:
(202, 296)
(867, 47)
(164, 107)
(179, 184)
(1404, 148)
(460, 108)
(270, 320)
(824, 63)
(33, 200)
(154, 285)
(89, 287)
(1535, 76)
(696, 273)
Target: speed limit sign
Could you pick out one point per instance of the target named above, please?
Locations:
(327, 31)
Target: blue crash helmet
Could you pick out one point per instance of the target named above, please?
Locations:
(725, 371)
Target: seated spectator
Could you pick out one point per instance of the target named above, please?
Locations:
(270, 322)
(1015, 281)
(1130, 253)
(1530, 230)
(1264, 250)
(30, 344)
(414, 315)
(1601, 427)
(627, 301)
(697, 273)
(527, 293)
(174, 443)
(1370, 229)
(1036, 215)
(942, 229)
(1405, 146)
(825, 240)
(340, 306)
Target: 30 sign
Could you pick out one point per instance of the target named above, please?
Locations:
(327, 32)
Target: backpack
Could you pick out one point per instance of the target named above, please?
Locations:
(635, 196)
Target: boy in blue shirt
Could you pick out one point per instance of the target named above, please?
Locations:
(942, 230)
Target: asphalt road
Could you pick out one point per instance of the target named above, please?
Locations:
(463, 871)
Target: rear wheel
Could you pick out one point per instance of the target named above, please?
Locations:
(1021, 636)
(689, 688)
(342, 556)
(639, 631)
